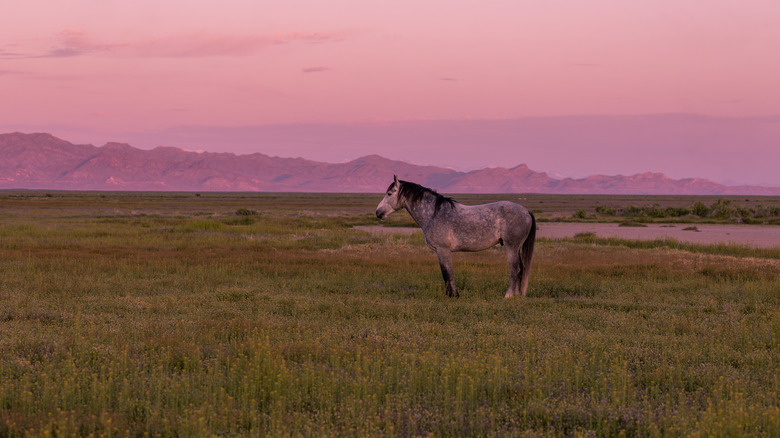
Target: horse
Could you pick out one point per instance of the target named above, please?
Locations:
(449, 226)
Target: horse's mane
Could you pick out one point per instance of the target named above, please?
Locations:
(414, 192)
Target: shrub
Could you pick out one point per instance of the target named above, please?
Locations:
(245, 212)
(677, 211)
(606, 210)
(633, 210)
(723, 209)
(699, 209)
(655, 211)
(632, 224)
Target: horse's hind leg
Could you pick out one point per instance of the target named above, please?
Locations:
(515, 271)
(445, 262)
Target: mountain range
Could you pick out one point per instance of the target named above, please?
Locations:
(42, 161)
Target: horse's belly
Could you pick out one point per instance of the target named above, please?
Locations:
(475, 243)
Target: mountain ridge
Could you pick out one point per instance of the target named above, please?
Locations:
(43, 161)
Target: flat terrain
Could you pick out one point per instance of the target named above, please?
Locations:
(758, 236)
(170, 314)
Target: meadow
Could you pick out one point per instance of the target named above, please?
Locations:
(183, 314)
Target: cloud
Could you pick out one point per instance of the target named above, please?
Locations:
(66, 52)
(309, 37)
(77, 42)
(5, 54)
(14, 72)
(206, 45)
(67, 44)
(449, 79)
(315, 69)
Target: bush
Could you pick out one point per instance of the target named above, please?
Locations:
(677, 211)
(632, 224)
(605, 210)
(655, 211)
(633, 210)
(245, 212)
(699, 209)
(722, 209)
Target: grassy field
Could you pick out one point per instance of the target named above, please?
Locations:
(131, 314)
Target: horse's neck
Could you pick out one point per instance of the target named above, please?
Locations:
(422, 211)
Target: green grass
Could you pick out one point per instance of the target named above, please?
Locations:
(169, 315)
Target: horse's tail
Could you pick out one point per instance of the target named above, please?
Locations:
(526, 254)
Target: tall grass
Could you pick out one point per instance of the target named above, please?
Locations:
(195, 323)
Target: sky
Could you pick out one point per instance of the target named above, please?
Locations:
(570, 87)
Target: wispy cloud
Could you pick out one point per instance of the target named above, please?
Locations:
(77, 42)
(315, 69)
(309, 37)
(6, 54)
(14, 73)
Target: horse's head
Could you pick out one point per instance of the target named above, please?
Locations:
(390, 202)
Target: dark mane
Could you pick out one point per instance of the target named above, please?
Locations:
(413, 193)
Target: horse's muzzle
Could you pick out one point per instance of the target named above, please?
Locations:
(383, 212)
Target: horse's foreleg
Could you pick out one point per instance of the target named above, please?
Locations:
(445, 262)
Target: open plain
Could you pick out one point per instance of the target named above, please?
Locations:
(758, 236)
(170, 314)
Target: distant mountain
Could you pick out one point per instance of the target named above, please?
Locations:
(42, 161)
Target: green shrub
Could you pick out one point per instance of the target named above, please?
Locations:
(699, 209)
(723, 209)
(677, 211)
(606, 210)
(632, 224)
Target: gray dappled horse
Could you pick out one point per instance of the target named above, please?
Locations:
(450, 226)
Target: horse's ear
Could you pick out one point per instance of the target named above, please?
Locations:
(395, 180)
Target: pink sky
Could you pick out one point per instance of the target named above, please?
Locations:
(146, 71)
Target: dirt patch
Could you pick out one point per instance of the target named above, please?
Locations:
(757, 236)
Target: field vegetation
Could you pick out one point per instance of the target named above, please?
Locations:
(721, 211)
(182, 314)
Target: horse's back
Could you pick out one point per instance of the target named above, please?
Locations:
(515, 216)
(505, 210)
(476, 227)
(508, 206)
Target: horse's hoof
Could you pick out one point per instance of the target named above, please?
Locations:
(509, 295)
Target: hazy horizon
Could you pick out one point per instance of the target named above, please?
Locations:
(665, 143)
